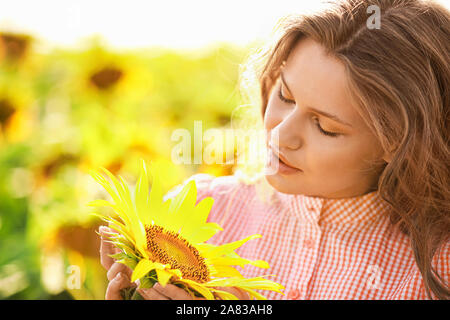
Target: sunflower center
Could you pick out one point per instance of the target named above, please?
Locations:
(168, 247)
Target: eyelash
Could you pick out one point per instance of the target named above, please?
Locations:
(327, 133)
(283, 98)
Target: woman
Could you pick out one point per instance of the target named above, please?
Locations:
(361, 117)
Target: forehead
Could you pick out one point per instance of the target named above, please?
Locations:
(318, 80)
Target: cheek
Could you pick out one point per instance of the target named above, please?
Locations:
(333, 158)
(342, 161)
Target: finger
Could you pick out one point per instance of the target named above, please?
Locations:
(117, 267)
(172, 291)
(151, 294)
(106, 248)
(120, 282)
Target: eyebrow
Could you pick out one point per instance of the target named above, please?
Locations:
(326, 114)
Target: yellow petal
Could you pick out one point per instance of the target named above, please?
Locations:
(163, 276)
(124, 200)
(259, 263)
(202, 210)
(143, 267)
(156, 198)
(252, 283)
(254, 294)
(238, 262)
(200, 288)
(224, 271)
(205, 232)
(136, 225)
(176, 273)
(186, 194)
(141, 195)
(197, 218)
(218, 251)
(182, 207)
(107, 186)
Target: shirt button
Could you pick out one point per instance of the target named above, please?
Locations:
(293, 294)
(308, 243)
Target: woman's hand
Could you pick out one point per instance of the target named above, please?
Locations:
(169, 292)
(172, 292)
(119, 276)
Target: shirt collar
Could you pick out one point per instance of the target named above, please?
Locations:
(351, 210)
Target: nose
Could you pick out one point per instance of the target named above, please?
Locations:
(286, 133)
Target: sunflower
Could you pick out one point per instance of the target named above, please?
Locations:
(165, 241)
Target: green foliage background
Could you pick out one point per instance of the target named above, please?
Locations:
(57, 123)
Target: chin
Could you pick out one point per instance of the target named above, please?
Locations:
(277, 182)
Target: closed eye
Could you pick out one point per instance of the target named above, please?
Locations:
(282, 98)
(327, 133)
(316, 121)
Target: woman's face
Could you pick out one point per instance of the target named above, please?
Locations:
(313, 125)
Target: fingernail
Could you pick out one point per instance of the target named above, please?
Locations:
(119, 276)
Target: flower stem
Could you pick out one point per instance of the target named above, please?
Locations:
(130, 294)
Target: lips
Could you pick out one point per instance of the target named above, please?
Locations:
(283, 159)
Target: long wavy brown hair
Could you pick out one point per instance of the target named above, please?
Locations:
(400, 76)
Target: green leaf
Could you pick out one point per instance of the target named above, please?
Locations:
(118, 256)
(147, 282)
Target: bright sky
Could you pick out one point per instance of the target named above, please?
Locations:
(144, 23)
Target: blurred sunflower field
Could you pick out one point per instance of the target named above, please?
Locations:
(65, 112)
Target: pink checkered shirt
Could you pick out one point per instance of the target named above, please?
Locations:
(318, 248)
